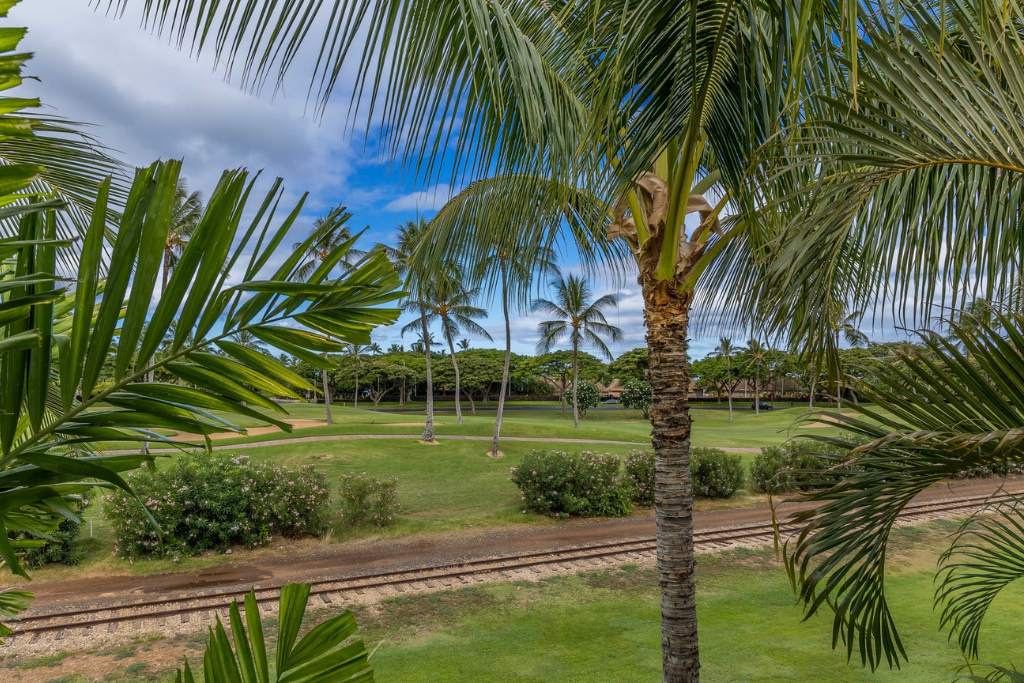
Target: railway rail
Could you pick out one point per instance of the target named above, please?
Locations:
(185, 612)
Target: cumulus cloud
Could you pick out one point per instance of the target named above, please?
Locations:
(429, 200)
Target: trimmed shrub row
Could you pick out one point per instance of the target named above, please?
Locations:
(589, 484)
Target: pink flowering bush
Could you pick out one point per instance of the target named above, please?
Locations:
(366, 500)
(640, 474)
(564, 484)
(212, 502)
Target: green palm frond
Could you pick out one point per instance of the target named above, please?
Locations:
(46, 422)
(913, 195)
(917, 431)
(327, 652)
(986, 555)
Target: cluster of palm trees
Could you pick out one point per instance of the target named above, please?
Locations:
(447, 293)
(837, 155)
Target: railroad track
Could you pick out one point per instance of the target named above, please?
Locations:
(185, 612)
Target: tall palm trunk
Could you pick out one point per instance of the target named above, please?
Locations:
(757, 397)
(355, 396)
(666, 313)
(458, 380)
(730, 405)
(327, 397)
(508, 361)
(575, 382)
(428, 424)
(810, 399)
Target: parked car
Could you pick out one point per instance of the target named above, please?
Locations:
(764, 406)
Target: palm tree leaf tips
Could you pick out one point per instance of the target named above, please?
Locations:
(917, 431)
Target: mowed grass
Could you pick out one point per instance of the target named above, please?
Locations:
(711, 425)
(605, 627)
(445, 488)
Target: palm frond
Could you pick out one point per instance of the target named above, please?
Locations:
(917, 431)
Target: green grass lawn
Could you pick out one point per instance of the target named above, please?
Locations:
(448, 487)
(711, 426)
(604, 626)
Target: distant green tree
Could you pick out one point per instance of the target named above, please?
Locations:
(630, 365)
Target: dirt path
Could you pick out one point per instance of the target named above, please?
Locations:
(311, 560)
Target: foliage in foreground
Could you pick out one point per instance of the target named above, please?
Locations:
(212, 502)
(326, 653)
(918, 432)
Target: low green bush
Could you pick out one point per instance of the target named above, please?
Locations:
(637, 395)
(588, 395)
(212, 502)
(715, 473)
(62, 545)
(799, 464)
(367, 500)
(564, 484)
(640, 475)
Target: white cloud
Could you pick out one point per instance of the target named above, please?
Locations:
(431, 199)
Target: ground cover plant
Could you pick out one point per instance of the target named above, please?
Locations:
(212, 502)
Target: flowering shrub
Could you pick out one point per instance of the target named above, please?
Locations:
(589, 397)
(637, 395)
(715, 473)
(640, 474)
(210, 502)
(572, 484)
(366, 500)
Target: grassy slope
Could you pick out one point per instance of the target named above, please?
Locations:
(604, 626)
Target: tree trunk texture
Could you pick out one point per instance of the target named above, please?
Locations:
(458, 382)
(666, 313)
(327, 397)
(730, 406)
(575, 385)
(505, 368)
(428, 424)
(757, 398)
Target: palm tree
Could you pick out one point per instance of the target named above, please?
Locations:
(417, 284)
(356, 351)
(250, 341)
(756, 357)
(725, 350)
(676, 78)
(511, 268)
(580, 320)
(329, 238)
(464, 344)
(451, 303)
(375, 348)
(396, 348)
(185, 215)
(330, 232)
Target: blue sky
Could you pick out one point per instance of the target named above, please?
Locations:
(147, 100)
